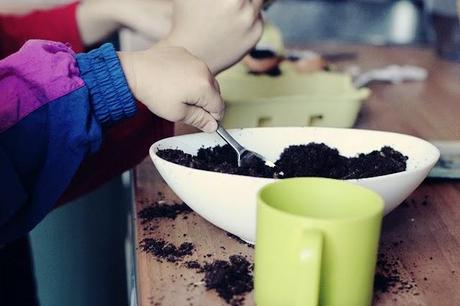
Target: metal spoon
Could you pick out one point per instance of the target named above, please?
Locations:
(244, 155)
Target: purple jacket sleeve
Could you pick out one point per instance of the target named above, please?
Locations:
(39, 73)
(53, 105)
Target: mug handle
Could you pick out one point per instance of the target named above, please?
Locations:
(309, 273)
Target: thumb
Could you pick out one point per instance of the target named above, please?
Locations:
(201, 119)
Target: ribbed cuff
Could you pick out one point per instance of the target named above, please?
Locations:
(110, 95)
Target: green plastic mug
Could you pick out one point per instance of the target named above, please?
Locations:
(316, 243)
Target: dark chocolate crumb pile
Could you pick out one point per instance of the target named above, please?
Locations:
(313, 159)
(231, 279)
(376, 163)
(165, 250)
(320, 160)
(218, 159)
(161, 209)
(388, 278)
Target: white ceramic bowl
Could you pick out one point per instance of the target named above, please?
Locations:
(229, 201)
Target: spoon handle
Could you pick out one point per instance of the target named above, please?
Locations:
(229, 139)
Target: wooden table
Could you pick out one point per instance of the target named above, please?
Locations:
(422, 238)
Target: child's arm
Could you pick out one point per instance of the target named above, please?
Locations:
(84, 24)
(47, 126)
(227, 29)
(97, 19)
(55, 107)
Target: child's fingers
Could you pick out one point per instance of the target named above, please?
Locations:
(213, 104)
(216, 101)
(210, 99)
(201, 119)
(217, 98)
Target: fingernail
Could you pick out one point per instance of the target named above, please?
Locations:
(210, 127)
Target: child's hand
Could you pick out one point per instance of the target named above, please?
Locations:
(98, 19)
(219, 32)
(174, 85)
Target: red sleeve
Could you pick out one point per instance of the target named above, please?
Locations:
(57, 24)
(124, 146)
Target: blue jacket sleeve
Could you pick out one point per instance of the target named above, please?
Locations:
(41, 153)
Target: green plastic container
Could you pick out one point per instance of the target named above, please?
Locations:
(292, 99)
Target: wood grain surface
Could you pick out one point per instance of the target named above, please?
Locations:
(421, 238)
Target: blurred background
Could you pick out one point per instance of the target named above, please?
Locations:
(371, 21)
(79, 249)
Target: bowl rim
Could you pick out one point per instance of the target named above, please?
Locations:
(154, 148)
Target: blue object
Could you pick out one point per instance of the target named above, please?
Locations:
(40, 155)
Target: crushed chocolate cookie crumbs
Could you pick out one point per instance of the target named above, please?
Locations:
(388, 278)
(161, 209)
(313, 159)
(231, 279)
(165, 250)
